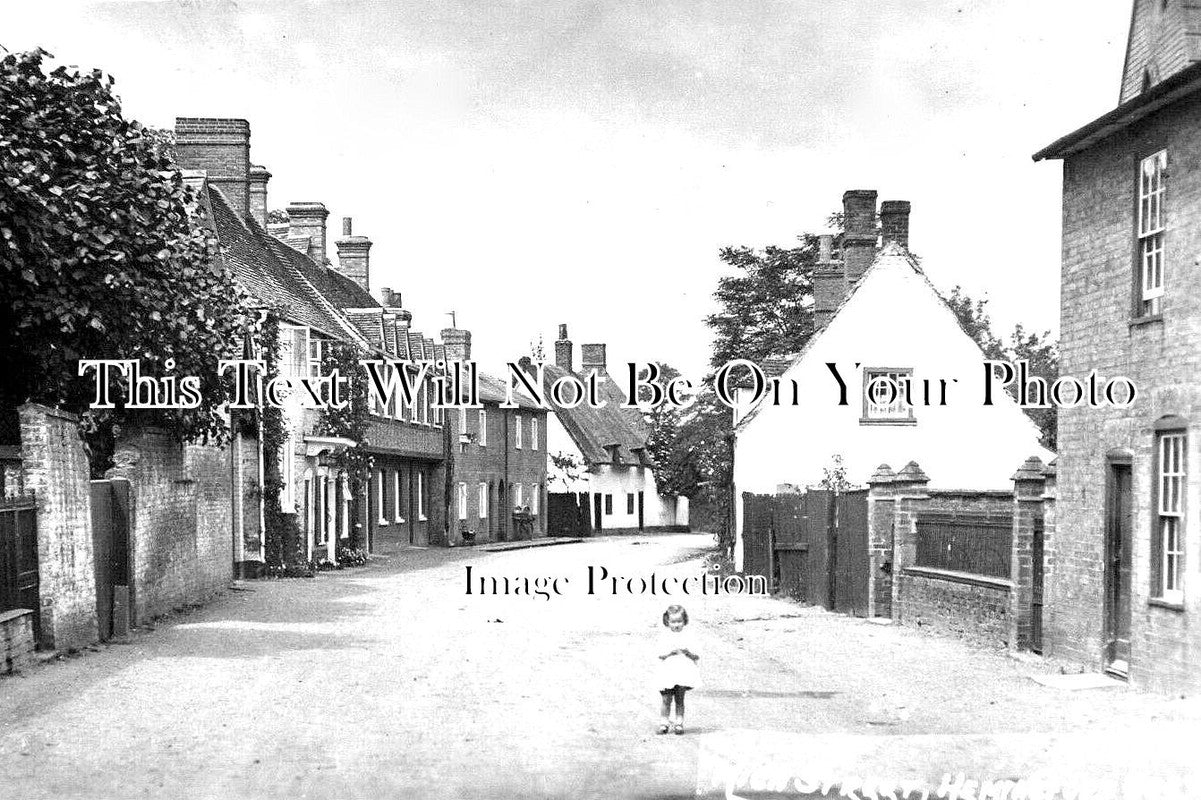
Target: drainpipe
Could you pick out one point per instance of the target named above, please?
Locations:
(507, 516)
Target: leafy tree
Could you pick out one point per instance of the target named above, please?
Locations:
(1038, 349)
(99, 253)
(766, 309)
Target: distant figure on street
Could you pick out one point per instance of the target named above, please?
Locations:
(675, 671)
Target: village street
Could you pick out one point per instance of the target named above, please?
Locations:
(388, 681)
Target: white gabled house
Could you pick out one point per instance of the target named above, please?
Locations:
(879, 315)
(599, 474)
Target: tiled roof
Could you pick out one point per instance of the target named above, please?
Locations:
(493, 390)
(268, 279)
(599, 432)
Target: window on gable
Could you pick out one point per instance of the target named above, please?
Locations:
(1168, 544)
(885, 390)
(1152, 171)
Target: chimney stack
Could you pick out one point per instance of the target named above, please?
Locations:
(389, 298)
(258, 194)
(308, 220)
(221, 148)
(859, 232)
(592, 357)
(894, 222)
(354, 256)
(563, 354)
(457, 343)
(829, 283)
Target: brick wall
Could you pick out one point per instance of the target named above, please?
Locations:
(55, 469)
(971, 610)
(988, 609)
(180, 521)
(1163, 357)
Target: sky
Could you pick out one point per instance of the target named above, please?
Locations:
(526, 163)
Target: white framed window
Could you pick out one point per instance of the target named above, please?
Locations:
(316, 348)
(482, 499)
(1151, 174)
(1171, 473)
(884, 392)
(518, 495)
(517, 429)
(535, 493)
(629, 502)
(322, 509)
(533, 433)
(462, 497)
(397, 516)
(482, 435)
(421, 495)
(381, 497)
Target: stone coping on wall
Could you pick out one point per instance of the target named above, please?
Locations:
(971, 579)
(53, 412)
(13, 613)
(998, 493)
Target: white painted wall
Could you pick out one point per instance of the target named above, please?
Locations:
(894, 319)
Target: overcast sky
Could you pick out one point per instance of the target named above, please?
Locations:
(532, 162)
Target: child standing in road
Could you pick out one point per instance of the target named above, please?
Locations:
(676, 671)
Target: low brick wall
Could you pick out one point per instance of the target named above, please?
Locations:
(969, 607)
(180, 521)
(16, 640)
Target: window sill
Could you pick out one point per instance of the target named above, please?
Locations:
(383, 523)
(1167, 605)
(398, 521)
(902, 422)
(1150, 319)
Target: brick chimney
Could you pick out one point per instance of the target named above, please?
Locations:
(221, 148)
(894, 222)
(859, 232)
(308, 220)
(458, 344)
(592, 356)
(829, 283)
(354, 260)
(389, 298)
(258, 194)
(563, 359)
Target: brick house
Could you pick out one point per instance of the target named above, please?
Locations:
(1122, 571)
(878, 317)
(599, 472)
(320, 302)
(497, 490)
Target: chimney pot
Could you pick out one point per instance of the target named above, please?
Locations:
(592, 356)
(894, 222)
(354, 256)
(563, 352)
(221, 148)
(457, 343)
(346, 226)
(859, 235)
(308, 220)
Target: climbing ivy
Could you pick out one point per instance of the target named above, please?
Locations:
(350, 422)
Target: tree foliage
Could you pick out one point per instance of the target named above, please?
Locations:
(99, 253)
(1039, 350)
(766, 309)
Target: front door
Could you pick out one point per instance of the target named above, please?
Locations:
(1117, 570)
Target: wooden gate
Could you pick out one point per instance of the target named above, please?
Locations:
(110, 551)
(850, 566)
(812, 545)
(565, 516)
(19, 556)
